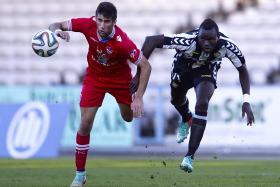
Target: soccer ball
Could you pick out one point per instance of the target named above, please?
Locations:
(44, 43)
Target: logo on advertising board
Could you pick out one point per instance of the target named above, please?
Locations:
(28, 130)
(32, 130)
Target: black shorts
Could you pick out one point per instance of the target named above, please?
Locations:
(184, 78)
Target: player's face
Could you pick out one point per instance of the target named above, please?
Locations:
(207, 39)
(104, 25)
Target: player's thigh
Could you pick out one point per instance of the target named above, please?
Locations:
(204, 83)
(122, 95)
(124, 100)
(204, 73)
(92, 95)
(204, 90)
(91, 99)
(179, 86)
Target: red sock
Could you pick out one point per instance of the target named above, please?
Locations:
(82, 147)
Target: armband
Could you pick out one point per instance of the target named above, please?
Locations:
(246, 98)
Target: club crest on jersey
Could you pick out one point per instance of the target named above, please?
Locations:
(101, 57)
(109, 50)
(174, 84)
(216, 55)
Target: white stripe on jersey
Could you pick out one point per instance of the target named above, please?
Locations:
(180, 41)
(69, 25)
(232, 46)
(227, 39)
(233, 52)
(234, 59)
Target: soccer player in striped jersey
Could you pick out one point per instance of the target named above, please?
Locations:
(197, 61)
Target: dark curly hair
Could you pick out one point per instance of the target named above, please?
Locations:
(208, 24)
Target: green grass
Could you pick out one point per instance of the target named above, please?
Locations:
(139, 172)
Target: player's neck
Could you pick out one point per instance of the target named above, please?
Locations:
(106, 38)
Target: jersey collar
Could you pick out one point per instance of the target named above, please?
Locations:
(104, 40)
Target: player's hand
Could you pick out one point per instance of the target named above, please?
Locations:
(133, 86)
(246, 108)
(137, 107)
(63, 35)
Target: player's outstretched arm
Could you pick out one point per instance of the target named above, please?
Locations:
(137, 103)
(59, 29)
(150, 43)
(245, 85)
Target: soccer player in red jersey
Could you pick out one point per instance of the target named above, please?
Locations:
(108, 71)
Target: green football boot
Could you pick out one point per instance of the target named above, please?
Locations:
(186, 164)
(183, 131)
(79, 180)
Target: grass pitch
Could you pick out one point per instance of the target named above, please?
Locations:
(129, 172)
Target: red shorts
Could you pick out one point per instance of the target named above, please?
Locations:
(92, 96)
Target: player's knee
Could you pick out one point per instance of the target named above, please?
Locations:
(202, 105)
(127, 118)
(177, 101)
(85, 127)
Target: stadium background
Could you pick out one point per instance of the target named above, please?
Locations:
(252, 24)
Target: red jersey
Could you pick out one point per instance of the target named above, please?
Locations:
(107, 58)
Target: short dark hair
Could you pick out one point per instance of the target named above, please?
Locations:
(107, 9)
(208, 24)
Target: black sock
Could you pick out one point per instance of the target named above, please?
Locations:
(197, 131)
(184, 111)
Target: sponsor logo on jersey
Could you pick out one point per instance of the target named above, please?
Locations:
(119, 38)
(205, 75)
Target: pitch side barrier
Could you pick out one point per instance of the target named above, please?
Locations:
(158, 126)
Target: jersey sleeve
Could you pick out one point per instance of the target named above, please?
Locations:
(234, 54)
(79, 24)
(133, 53)
(178, 41)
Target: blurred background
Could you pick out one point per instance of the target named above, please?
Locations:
(51, 86)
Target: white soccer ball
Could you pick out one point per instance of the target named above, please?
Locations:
(45, 43)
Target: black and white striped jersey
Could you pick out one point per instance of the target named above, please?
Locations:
(188, 51)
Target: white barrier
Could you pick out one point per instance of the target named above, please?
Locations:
(225, 126)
